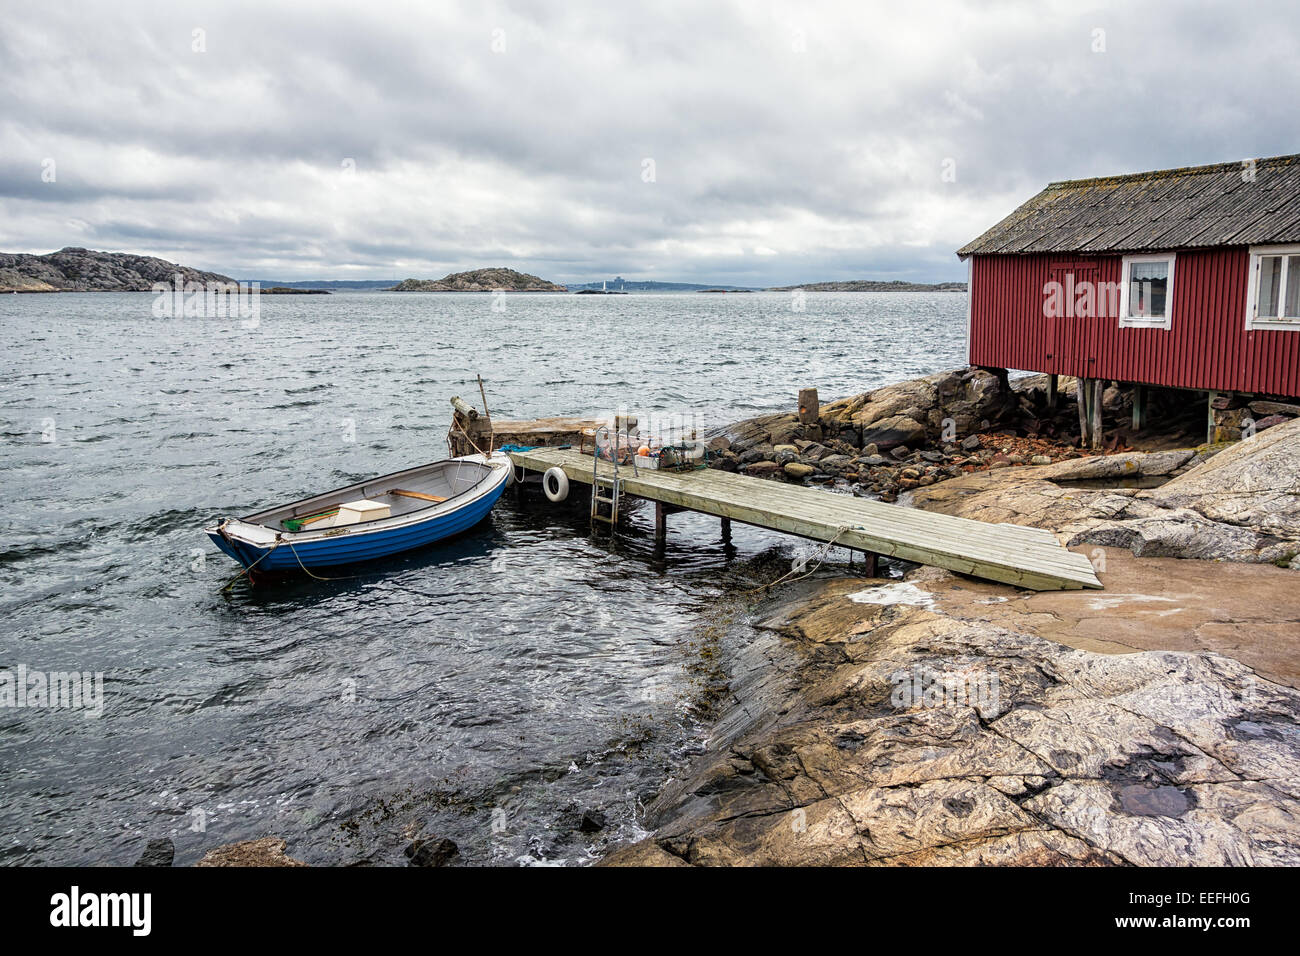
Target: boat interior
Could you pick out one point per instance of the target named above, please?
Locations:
(388, 496)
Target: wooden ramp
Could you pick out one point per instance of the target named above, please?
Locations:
(1012, 554)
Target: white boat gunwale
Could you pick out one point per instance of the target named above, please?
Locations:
(253, 532)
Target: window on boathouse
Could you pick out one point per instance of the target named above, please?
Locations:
(1274, 299)
(1147, 291)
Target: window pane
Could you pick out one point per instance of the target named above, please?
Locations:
(1148, 289)
(1292, 309)
(1270, 281)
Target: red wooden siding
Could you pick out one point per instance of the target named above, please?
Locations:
(1207, 347)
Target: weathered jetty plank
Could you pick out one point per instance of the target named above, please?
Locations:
(1012, 554)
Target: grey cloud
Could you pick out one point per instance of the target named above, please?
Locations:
(813, 132)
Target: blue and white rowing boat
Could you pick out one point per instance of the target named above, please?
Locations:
(372, 519)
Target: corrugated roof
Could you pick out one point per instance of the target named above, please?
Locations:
(1196, 206)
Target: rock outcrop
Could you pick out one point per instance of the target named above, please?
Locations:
(880, 442)
(480, 280)
(1242, 504)
(268, 851)
(84, 270)
(915, 738)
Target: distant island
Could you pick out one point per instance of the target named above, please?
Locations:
(871, 285)
(325, 285)
(619, 284)
(480, 280)
(84, 270)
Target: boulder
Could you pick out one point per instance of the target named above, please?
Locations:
(762, 469)
(968, 399)
(1264, 408)
(160, 852)
(797, 469)
(889, 433)
(1123, 465)
(430, 853)
(814, 451)
(892, 400)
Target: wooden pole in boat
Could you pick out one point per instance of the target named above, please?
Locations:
(486, 414)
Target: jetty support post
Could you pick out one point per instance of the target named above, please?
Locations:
(869, 559)
(1053, 391)
(1098, 387)
(726, 530)
(1139, 407)
(1081, 392)
(662, 511)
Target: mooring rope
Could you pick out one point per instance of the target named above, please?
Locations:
(345, 577)
(231, 583)
(787, 579)
(279, 540)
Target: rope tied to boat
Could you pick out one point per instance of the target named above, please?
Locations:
(826, 550)
(221, 530)
(345, 577)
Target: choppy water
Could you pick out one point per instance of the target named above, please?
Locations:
(486, 690)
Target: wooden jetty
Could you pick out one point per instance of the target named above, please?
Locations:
(1013, 554)
(472, 431)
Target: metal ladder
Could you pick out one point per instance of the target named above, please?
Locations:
(599, 482)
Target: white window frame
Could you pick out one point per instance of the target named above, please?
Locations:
(1252, 288)
(1127, 321)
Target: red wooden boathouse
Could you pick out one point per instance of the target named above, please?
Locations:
(1186, 278)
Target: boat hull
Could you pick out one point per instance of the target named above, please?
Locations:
(286, 551)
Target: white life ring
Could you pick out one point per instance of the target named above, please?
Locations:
(555, 475)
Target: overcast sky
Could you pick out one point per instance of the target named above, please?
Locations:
(749, 143)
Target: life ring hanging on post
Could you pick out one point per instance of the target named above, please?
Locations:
(555, 483)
